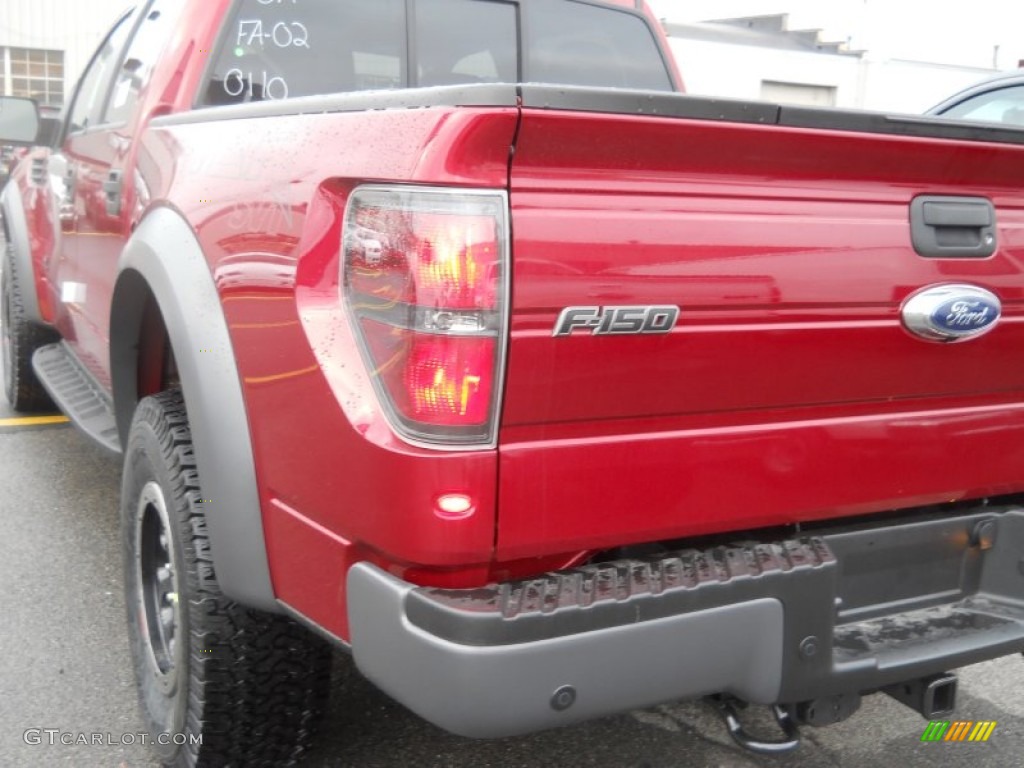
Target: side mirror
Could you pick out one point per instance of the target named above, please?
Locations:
(19, 121)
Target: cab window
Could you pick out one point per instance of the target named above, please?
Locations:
(272, 51)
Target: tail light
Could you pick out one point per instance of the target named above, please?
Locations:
(425, 278)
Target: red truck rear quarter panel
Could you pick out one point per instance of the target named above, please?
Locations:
(266, 199)
(788, 390)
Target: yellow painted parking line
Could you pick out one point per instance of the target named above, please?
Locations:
(34, 421)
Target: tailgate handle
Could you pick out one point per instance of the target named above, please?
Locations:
(957, 214)
(944, 227)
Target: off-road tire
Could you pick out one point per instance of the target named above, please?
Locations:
(251, 685)
(20, 339)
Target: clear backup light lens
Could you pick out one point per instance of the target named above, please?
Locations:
(424, 276)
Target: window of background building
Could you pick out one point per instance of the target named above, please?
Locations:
(33, 72)
(779, 92)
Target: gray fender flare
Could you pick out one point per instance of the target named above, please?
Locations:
(164, 259)
(16, 231)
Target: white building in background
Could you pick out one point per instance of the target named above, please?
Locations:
(759, 58)
(45, 44)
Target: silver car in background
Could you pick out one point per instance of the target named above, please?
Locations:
(998, 99)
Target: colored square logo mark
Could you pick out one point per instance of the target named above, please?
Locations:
(958, 730)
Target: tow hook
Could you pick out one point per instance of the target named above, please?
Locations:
(726, 706)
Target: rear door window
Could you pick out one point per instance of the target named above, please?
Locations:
(141, 58)
(93, 86)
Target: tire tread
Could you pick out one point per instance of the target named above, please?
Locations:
(21, 385)
(257, 681)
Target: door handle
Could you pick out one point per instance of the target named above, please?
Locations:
(112, 192)
(66, 203)
(947, 227)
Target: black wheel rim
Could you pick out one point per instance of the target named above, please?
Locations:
(157, 586)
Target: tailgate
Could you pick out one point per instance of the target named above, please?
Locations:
(789, 389)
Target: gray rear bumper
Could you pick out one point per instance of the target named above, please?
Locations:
(847, 612)
(501, 690)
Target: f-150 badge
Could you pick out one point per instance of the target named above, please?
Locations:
(617, 321)
(948, 313)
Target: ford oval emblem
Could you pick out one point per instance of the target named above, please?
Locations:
(951, 312)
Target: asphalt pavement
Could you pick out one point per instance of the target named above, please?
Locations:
(64, 663)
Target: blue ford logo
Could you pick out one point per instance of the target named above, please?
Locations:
(951, 312)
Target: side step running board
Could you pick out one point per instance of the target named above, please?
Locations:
(77, 394)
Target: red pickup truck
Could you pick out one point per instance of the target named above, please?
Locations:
(452, 333)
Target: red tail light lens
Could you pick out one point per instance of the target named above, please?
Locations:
(424, 276)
